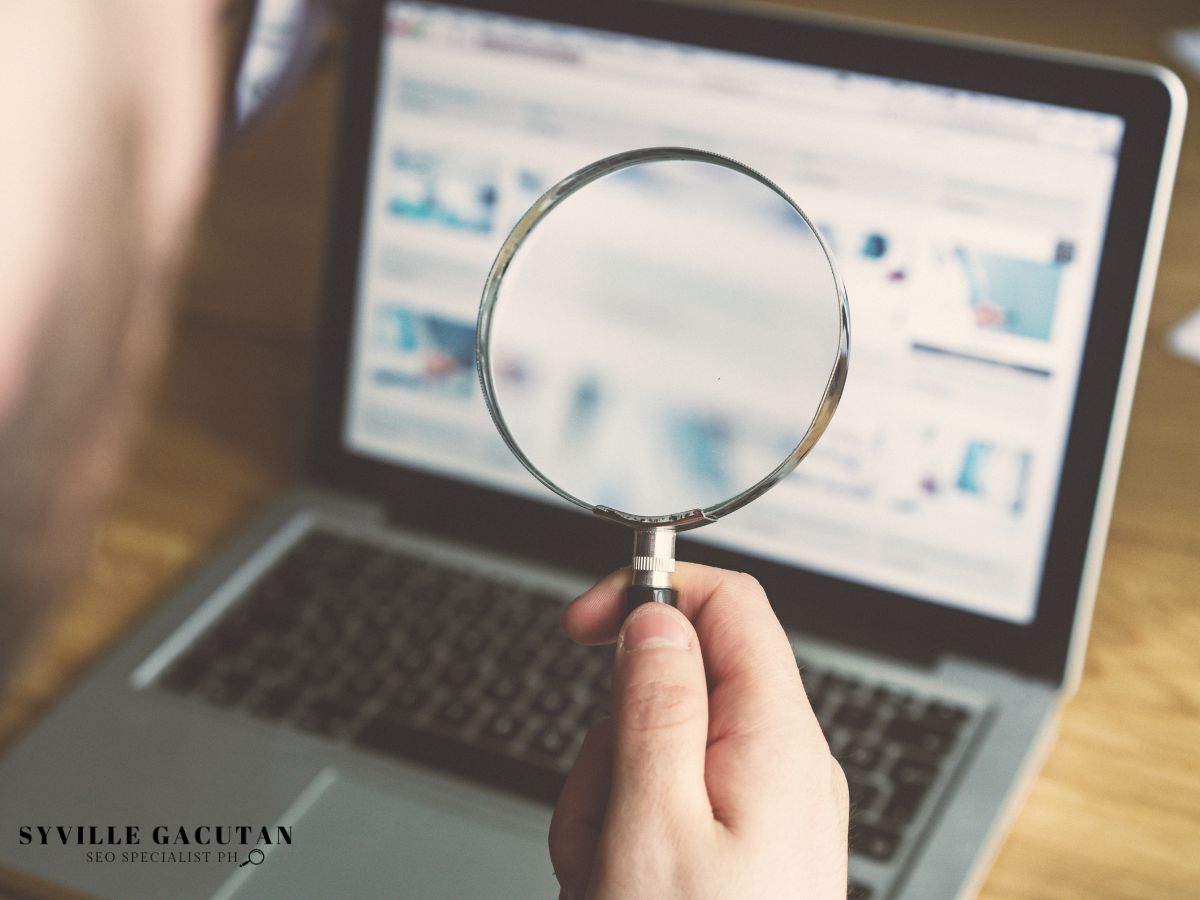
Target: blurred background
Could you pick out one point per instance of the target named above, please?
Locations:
(1115, 812)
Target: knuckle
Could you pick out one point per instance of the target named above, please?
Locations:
(747, 583)
(733, 592)
(652, 705)
(750, 583)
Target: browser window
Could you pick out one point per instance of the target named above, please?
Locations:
(967, 227)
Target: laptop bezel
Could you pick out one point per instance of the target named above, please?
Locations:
(831, 607)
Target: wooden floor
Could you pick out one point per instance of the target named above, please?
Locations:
(1116, 811)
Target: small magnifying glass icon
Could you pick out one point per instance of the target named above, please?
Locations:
(250, 858)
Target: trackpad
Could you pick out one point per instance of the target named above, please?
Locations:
(351, 839)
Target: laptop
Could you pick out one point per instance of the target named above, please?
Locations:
(366, 693)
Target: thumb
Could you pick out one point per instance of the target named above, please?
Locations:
(660, 723)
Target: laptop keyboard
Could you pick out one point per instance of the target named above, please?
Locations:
(406, 657)
(892, 745)
(410, 658)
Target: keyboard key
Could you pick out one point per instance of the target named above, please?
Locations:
(349, 561)
(553, 702)
(360, 687)
(415, 660)
(407, 700)
(323, 669)
(272, 618)
(552, 742)
(602, 680)
(390, 571)
(911, 771)
(814, 684)
(591, 713)
(860, 756)
(842, 683)
(368, 644)
(460, 674)
(320, 635)
(862, 794)
(425, 629)
(886, 696)
(382, 615)
(469, 599)
(905, 802)
(473, 641)
(916, 734)
(274, 658)
(455, 712)
(503, 727)
(568, 664)
(874, 843)
(505, 688)
(950, 715)
(519, 655)
(857, 717)
(516, 614)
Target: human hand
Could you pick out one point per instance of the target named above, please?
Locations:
(712, 778)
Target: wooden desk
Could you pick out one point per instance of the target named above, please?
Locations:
(1116, 811)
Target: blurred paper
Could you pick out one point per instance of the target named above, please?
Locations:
(1184, 338)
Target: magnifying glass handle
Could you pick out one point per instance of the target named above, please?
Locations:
(653, 563)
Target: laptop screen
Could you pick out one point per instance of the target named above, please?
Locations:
(967, 227)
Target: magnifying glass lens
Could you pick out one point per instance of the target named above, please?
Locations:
(663, 337)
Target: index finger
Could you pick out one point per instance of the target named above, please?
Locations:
(747, 655)
(765, 747)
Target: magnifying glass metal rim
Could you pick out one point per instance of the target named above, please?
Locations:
(684, 520)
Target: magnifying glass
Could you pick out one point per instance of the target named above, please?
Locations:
(250, 860)
(662, 337)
